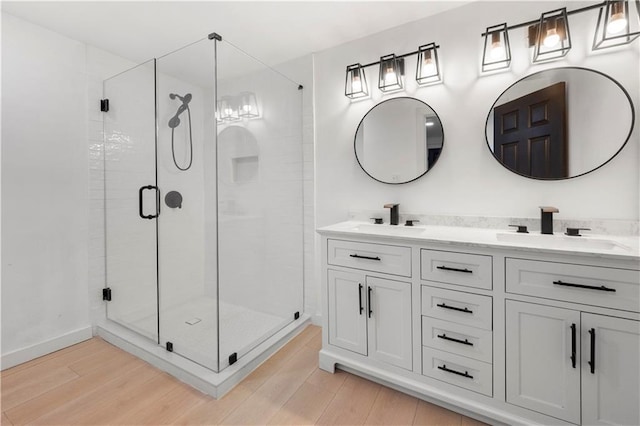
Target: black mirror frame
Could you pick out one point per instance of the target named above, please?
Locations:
(633, 120)
(365, 116)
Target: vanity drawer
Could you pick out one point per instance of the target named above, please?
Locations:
(458, 307)
(384, 258)
(591, 285)
(457, 370)
(470, 270)
(458, 339)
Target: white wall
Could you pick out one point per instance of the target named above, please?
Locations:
(44, 191)
(467, 179)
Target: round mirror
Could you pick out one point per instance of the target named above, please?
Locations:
(560, 123)
(398, 140)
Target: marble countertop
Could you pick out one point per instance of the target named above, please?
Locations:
(606, 246)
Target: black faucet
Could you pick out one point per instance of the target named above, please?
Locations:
(546, 219)
(394, 213)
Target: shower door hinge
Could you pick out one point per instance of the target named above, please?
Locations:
(233, 358)
(169, 346)
(104, 105)
(106, 294)
(296, 315)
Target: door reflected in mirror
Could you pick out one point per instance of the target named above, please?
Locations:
(399, 140)
(559, 123)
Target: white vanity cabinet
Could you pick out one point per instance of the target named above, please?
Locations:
(572, 365)
(367, 314)
(508, 334)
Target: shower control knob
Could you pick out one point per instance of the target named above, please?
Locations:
(173, 199)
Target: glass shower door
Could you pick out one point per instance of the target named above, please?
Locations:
(131, 199)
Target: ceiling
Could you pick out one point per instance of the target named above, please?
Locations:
(271, 31)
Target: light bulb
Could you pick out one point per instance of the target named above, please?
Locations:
(617, 23)
(496, 50)
(246, 108)
(356, 84)
(552, 38)
(390, 76)
(428, 67)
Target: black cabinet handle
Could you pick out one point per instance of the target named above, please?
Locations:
(448, 370)
(445, 337)
(140, 203)
(364, 257)
(453, 308)
(590, 287)
(446, 268)
(592, 363)
(369, 300)
(360, 298)
(573, 345)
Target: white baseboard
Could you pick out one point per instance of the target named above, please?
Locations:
(316, 320)
(19, 356)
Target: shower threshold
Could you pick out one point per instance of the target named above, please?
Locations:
(194, 374)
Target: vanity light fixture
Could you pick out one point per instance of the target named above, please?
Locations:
(356, 85)
(550, 38)
(391, 73)
(428, 66)
(497, 50)
(228, 109)
(219, 119)
(248, 106)
(618, 24)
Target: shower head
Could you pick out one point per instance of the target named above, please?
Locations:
(186, 99)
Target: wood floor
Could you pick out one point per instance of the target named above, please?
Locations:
(94, 383)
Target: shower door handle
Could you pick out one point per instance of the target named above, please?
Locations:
(141, 204)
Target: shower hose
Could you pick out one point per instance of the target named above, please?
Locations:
(173, 150)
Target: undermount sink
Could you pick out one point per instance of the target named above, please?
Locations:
(386, 229)
(561, 241)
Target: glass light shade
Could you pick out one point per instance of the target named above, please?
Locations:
(219, 120)
(356, 84)
(618, 24)
(391, 71)
(248, 105)
(552, 37)
(228, 109)
(497, 50)
(428, 66)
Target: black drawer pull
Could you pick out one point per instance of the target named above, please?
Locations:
(453, 308)
(445, 337)
(448, 370)
(592, 363)
(360, 297)
(369, 301)
(446, 268)
(590, 287)
(364, 257)
(573, 345)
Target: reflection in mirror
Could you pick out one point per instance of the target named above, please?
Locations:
(399, 140)
(559, 123)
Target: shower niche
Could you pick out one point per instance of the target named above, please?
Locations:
(219, 276)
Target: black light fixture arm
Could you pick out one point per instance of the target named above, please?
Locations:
(415, 52)
(569, 12)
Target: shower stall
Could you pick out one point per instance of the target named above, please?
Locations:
(203, 205)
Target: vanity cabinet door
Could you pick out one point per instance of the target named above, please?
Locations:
(541, 375)
(347, 311)
(389, 316)
(611, 384)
